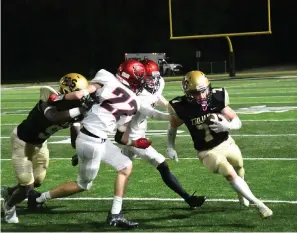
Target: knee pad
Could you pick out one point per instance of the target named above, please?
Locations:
(225, 168)
(84, 184)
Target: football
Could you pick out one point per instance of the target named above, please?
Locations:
(213, 116)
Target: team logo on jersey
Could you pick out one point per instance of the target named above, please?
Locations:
(138, 71)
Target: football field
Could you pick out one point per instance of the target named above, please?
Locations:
(268, 141)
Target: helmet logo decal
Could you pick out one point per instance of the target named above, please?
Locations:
(69, 82)
(138, 71)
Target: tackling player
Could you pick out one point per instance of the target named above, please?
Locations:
(117, 106)
(215, 147)
(151, 95)
(30, 155)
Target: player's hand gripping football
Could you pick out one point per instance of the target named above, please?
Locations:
(172, 154)
(220, 125)
(142, 143)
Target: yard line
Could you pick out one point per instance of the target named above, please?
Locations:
(163, 122)
(160, 199)
(194, 158)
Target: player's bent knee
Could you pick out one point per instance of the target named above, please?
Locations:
(225, 168)
(39, 176)
(84, 184)
(127, 170)
(25, 179)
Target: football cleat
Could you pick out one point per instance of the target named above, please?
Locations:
(120, 221)
(10, 214)
(195, 201)
(243, 201)
(264, 211)
(33, 205)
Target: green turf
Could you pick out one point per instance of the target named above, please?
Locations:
(267, 141)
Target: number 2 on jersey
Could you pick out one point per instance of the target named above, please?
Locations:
(122, 97)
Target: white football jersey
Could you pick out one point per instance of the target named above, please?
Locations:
(138, 124)
(118, 104)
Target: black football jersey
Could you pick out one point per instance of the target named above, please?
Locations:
(36, 128)
(196, 119)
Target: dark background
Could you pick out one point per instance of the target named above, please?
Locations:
(45, 39)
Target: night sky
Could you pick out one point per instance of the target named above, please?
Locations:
(44, 39)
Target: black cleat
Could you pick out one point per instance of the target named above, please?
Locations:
(33, 205)
(195, 201)
(120, 221)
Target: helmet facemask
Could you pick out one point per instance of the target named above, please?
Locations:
(201, 96)
(152, 82)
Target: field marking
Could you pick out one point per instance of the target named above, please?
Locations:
(187, 135)
(160, 199)
(163, 122)
(195, 158)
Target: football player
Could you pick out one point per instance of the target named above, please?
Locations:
(209, 118)
(151, 95)
(30, 155)
(118, 104)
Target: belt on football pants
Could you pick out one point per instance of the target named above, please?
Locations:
(86, 132)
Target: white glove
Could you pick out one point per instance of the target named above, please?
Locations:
(220, 125)
(171, 153)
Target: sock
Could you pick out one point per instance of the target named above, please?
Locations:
(171, 181)
(242, 187)
(44, 197)
(116, 205)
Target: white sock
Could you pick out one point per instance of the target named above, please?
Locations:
(116, 205)
(44, 197)
(242, 187)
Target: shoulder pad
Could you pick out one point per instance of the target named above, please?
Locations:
(176, 100)
(46, 92)
(103, 77)
(220, 97)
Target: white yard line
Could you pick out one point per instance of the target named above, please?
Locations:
(165, 122)
(161, 199)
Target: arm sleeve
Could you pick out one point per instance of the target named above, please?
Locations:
(56, 116)
(74, 131)
(171, 133)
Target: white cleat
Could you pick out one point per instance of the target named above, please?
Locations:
(265, 212)
(10, 215)
(243, 201)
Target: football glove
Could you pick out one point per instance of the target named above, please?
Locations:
(220, 125)
(142, 143)
(171, 153)
(87, 102)
(74, 160)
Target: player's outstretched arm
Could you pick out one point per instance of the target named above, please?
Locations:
(77, 95)
(174, 123)
(56, 116)
(162, 101)
(74, 131)
(122, 138)
(153, 113)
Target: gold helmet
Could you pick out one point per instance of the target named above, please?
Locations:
(72, 82)
(197, 87)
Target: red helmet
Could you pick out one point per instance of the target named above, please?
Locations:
(152, 81)
(132, 73)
